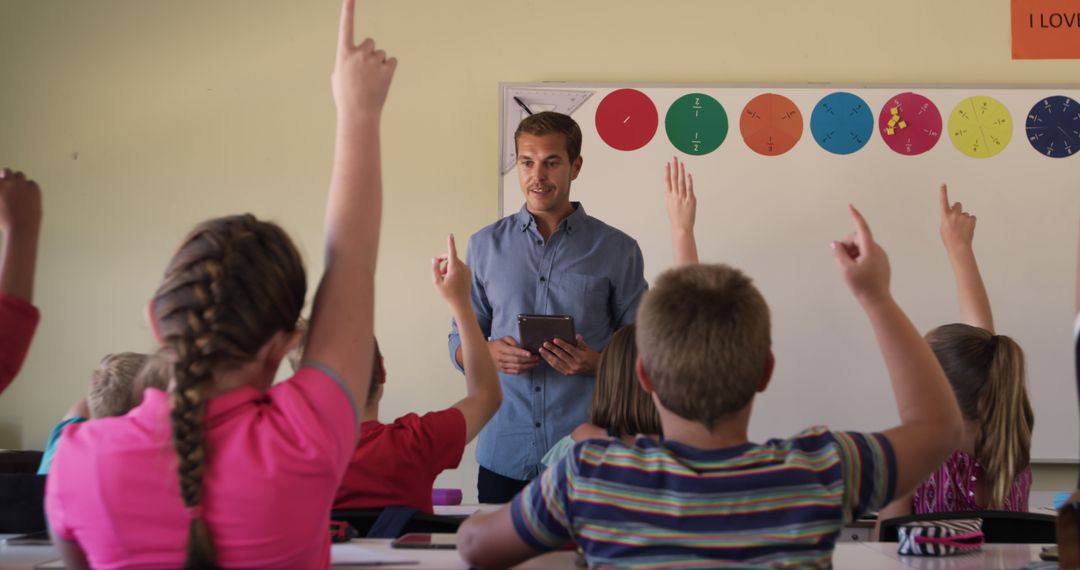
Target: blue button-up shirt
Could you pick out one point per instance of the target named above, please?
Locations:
(588, 270)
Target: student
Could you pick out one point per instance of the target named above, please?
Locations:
(620, 408)
(20, 225)
(990, 469)
(225, 470)
(705, 493)
(116, 386)
(396, 464)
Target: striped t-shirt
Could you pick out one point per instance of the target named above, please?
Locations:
(668, 505)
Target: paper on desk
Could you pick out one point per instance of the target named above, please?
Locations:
(347, 554)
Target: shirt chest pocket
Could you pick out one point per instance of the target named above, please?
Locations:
(584, 297)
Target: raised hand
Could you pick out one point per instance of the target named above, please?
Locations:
(682, 211)
(20, 226)
(863, 262)
(452, 278)
(362, 73)
(681, 204)
(957, 226)
(957, 233)
(20, 203)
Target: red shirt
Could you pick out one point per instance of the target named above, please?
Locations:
(396, 464)
(18, 320)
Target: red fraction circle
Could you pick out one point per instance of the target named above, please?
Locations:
(626, 119)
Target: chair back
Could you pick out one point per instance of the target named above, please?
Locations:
(22, 502)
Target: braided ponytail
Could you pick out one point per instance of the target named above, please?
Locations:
(232, 285)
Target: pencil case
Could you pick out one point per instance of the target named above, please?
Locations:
(941, 538)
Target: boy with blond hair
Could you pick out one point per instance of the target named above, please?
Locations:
(116, 386)
(706, 495)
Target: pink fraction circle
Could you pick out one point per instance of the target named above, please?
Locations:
(910, 124)
(626, 119)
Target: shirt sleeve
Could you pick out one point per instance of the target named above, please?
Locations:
(869, 472)
(630, 285)
(320, 408)
(54, 443)
(558, 451)
(18, 321)
(481, 305)
(541, 510)
(440, 439)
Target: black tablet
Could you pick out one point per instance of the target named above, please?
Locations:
(535, 330)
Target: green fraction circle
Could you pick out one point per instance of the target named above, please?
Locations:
(696, 124)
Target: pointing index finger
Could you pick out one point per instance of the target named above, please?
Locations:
(944, 197)
(451, 247)
(862, 230)
(345, 31)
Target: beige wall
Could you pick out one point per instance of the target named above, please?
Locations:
(140, 118)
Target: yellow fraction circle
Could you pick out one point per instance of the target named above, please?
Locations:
(980, 126)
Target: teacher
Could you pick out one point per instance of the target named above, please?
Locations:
(548, 258)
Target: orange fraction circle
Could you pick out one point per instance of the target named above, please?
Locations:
(771, 124)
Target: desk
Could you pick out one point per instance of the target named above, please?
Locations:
(852, 555)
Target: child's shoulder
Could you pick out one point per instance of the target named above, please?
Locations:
(811, 438)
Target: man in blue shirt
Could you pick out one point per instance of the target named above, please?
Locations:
(548, 258)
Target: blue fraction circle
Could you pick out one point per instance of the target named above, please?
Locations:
(1053, 126)
(842, 123)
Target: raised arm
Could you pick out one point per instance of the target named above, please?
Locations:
(20, 225)
(341, 335)
(957, 233)
(682, 209)
(484, 394)
(930, 424)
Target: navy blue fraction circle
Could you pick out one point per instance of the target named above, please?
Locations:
(1053, 126)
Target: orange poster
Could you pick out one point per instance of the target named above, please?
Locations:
(1046, 29)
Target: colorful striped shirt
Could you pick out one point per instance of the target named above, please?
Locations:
(666, 505)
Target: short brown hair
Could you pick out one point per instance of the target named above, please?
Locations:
(548, 122)
(619, 403)
(112, 385)
(703, 335)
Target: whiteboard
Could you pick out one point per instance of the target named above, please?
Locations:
(774, 215)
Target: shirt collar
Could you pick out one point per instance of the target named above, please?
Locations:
(569, 224)
(218, 407)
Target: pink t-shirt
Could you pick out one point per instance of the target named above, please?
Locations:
(952, 488)
(274, 460)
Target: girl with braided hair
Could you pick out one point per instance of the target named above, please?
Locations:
(991, 470)
(225, 470)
